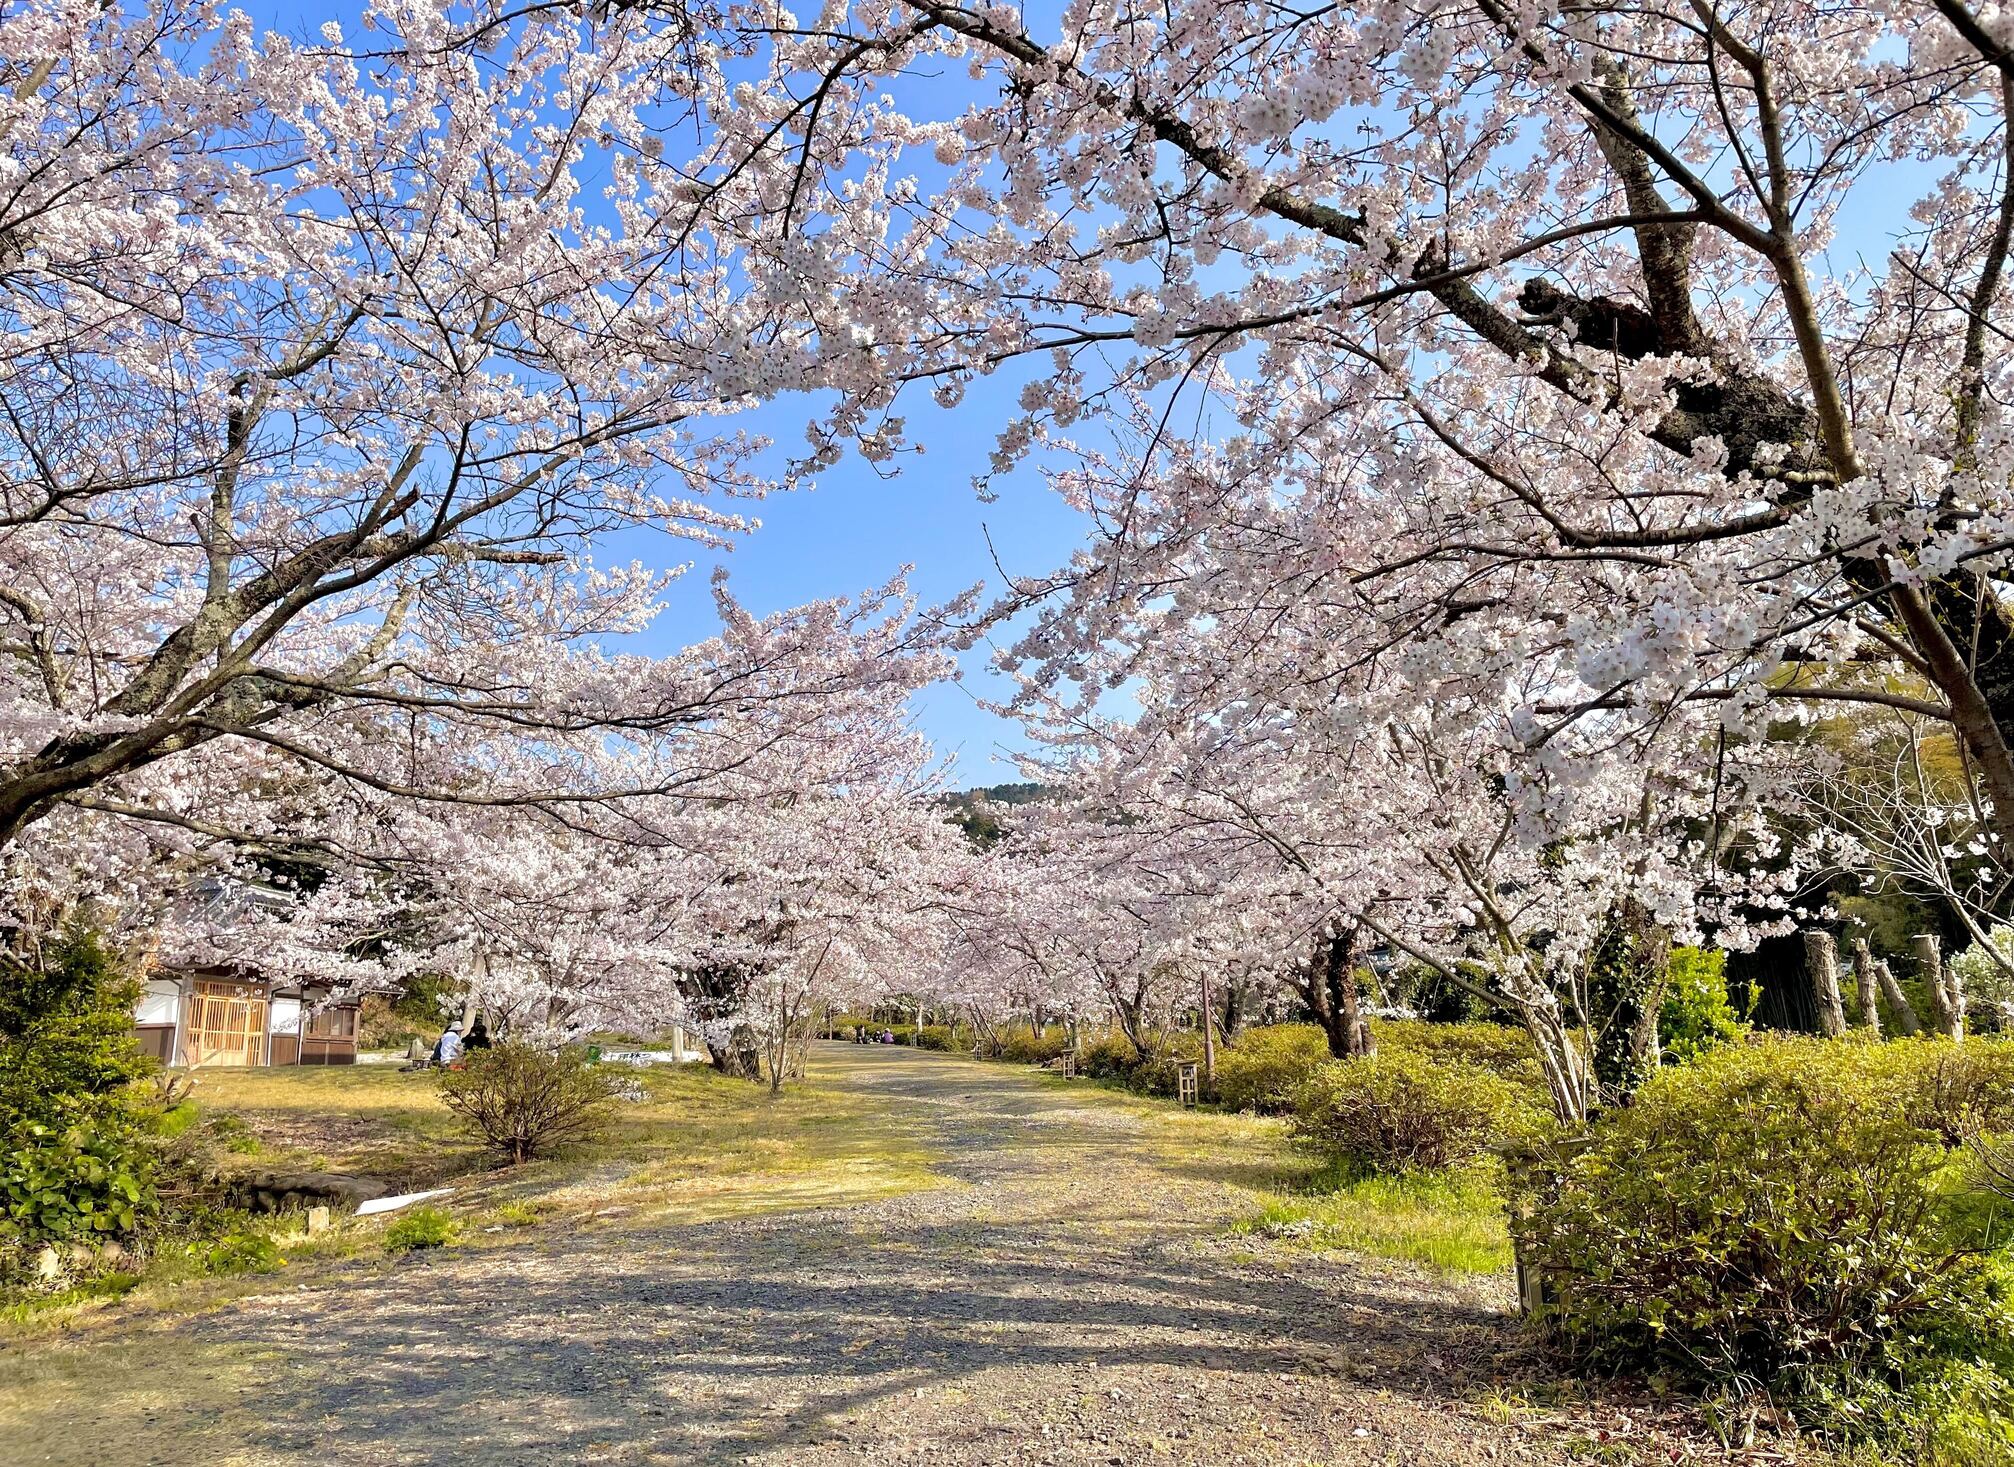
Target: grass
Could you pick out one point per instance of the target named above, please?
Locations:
(1452, 1224)
(699, 1147)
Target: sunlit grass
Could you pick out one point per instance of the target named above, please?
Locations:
(700, 1147)
(1453, 1224)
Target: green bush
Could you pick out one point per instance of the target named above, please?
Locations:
(1263, 1068)
(74, 1156)
(941, 1037)
(1782, 1211)
(1499, 1048)
(1697, 1014)
(1110, 1056)
(243, 1252)
(1400, 1110)
(1156, 1075)
(67, 1047)
(425, 1226)
(84, 1181)
(1024, 1046)
(523, 1102)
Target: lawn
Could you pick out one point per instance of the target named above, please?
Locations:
(1452, 1225)
(700, 1146)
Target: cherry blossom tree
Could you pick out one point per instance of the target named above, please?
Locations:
(1501, 421)
(329, 371)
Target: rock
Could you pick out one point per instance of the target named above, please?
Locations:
(48, 1264)
(318, 1219)
(263, 1191)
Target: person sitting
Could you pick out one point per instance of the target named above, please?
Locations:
(478, 1035)
(448, 1048)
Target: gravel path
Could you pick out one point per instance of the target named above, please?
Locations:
(1070, 1298)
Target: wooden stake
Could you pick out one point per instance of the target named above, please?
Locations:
(1947, 1014)
(1821, 956)
(1865, 982)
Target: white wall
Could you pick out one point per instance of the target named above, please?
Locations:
(160, 1002)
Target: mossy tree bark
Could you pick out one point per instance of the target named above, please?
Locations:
(1626, 977)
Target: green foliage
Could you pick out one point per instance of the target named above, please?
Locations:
(1400, 1110)
(241, 1252)
(1263, 1068)
(74, 1160)
(1438, 1000)
(1023, 1045)
(1109, 1056)
(67, 1047)
(1157, 1074)
(941, 1037)
(1887, 918)
(1697, 1014)
(1502, 1049)
(1781, 1212)
(523, 1102)
(81, 1181)
(424, 1226)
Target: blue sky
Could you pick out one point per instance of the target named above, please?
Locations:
(856, 528)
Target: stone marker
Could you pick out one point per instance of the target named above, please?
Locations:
(318, 1220)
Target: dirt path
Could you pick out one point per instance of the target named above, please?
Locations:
(1069, 1297)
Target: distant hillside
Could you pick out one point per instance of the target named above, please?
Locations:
(970, 812)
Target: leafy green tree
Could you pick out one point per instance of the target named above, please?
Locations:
(75, 1157)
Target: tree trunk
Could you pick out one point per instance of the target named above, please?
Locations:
(1355, 1024)
(1865, 982)
(1898, 1001)
(1821, 959)
(1342, 1010)
(1626, 977)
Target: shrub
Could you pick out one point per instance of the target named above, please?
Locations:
(1499, 1048)
(523, 1102)
(1696, 1014)
(425, 1226)
(1399, 1110)
(1110, 1056)
(940, 1037)
(83, 1181)
(74, 1159)
(1264, 1067)
(67, 1047)
(241, 1253)
(1156, 1075)
(1774, 1211)
(1024, 1046)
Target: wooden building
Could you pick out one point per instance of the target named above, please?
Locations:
(217, 1016)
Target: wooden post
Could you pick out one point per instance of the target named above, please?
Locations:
(1864, 983)
(1821, 956)
(1209, 1039)
(1898, 1001)
(1947, 1015)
